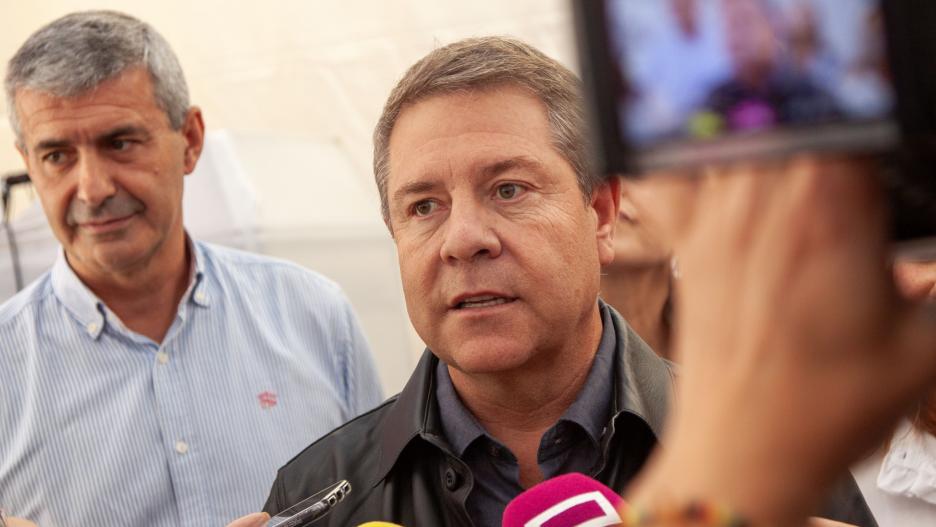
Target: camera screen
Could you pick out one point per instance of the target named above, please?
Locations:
(777, 72)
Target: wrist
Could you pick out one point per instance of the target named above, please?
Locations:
(761, 496)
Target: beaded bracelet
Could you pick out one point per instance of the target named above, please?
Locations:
(694, 514)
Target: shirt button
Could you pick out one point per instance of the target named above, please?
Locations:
(92, 327)
(451, 479)
(200, 296)
(162, 357)
(181, 447)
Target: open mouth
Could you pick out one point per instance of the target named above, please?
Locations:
(483, 301)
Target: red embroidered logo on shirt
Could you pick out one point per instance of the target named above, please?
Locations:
(267, 400)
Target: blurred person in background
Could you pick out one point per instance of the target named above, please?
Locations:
(796, 353)
(764, 89)
(899, 479)
(149, 378)
(864, 89)
(671, 66)
(639, 282)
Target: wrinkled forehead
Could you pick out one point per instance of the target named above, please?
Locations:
(509, 110)
(468, 131)
(128, 97)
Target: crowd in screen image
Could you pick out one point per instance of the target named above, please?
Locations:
(700, 69)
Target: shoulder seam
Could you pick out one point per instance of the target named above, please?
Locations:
(26, 297)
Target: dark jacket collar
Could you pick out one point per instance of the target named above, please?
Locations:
(643, 384)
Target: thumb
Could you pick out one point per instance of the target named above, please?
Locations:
(257, 519)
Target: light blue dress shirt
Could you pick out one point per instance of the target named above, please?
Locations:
(101, 426)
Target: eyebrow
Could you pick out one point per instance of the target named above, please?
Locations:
(416, 187)
(51, 144)
(519, 162)
(121, 131)
(488, 171)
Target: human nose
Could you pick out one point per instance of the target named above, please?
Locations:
(95, 184)
(469, 235)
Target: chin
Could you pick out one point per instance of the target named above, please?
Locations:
(116, 258)
(488, 356)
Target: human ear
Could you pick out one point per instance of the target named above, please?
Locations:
(606, 202)
(193, 132)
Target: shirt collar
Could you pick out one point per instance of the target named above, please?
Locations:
(642, 386)
(643, 382)
(460, 426)
(909, 468)
(76, 297)
(589, 410)
(197, 291)
(92, 313)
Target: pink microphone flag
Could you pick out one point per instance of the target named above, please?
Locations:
(570, 500)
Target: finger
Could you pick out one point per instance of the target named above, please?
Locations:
(822, 522)
(727, 196)
(716, 253)
(257, 519)
(831, 218)
(834, 198)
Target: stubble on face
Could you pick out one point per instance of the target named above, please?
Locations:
(108, 170)
(536, 250)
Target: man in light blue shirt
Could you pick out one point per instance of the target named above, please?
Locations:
(150, 379)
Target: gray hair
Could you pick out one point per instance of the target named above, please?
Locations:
(79, 51)
(486, 62)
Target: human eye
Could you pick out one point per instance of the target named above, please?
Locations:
(120, 144)
(424, 208)
(509, 191)
(55, 157)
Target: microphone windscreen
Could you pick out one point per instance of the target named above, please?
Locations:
(569, 500)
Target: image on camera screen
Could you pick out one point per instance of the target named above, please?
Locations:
(700, 70)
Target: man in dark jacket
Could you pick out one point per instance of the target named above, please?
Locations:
(501, 231)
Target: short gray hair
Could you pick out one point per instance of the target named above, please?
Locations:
(79, 51)
(486, 62)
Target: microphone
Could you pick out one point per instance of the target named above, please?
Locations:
(570, 500)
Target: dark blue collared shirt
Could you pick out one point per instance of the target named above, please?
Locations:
(573, 444)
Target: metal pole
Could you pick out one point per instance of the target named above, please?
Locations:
(7, 186)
